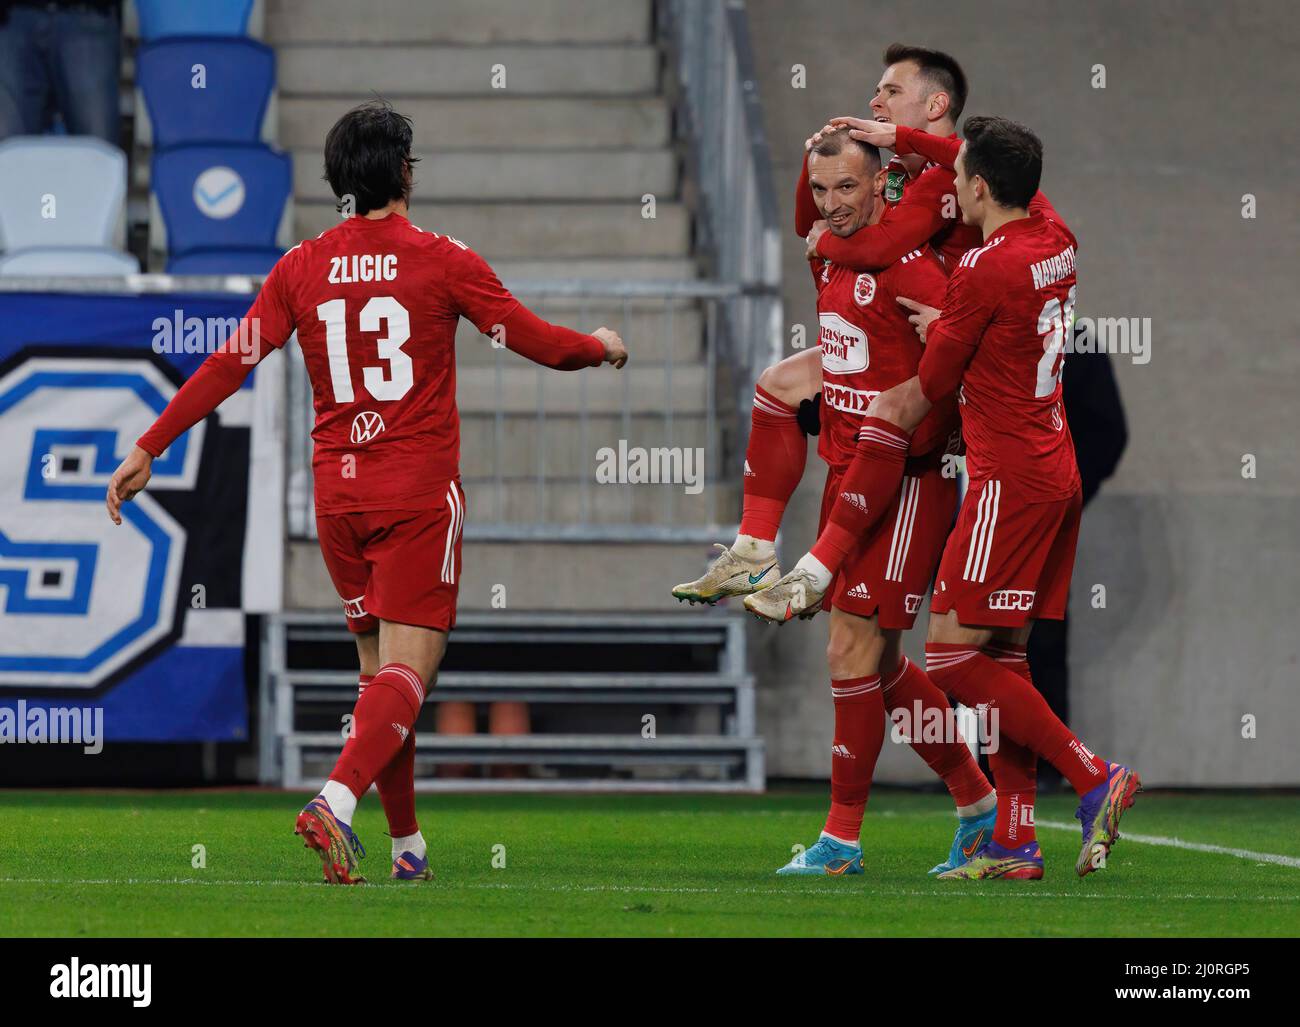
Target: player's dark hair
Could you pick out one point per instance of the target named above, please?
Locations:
(368, 157)
(835, 144)
(941, 70)
(1007, 156)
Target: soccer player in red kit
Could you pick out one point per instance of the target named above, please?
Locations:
(866, 345)
(999, 342)
(920, 88)
(375, 302)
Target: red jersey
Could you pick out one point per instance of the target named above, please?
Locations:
(867, 343)
(375, 303)
(1001, 337)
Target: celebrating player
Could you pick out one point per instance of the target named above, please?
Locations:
(867, 345)
(375, 302)
(921, 89)
(1000, 340)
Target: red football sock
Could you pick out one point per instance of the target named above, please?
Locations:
(867, 489)
(970, 677)
(382, 722)
(1014, 766)
(396, 782)
(774, 463)
(909, 689)
(859, 734)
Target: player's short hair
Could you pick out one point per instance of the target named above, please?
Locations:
(836, 143)
(1007, 156)
(939, 69)
(368, 156)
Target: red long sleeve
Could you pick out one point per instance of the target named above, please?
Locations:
(940, 149)
(907, 227)
(805, 207)
(550, 345)
(217, 379)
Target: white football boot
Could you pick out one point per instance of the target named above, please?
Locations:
(729, 575)
(795, 595)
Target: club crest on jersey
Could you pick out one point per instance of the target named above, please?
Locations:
(365, 426)
(864, 289)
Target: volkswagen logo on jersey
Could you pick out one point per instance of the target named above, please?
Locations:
(864, 290)
(365, 426)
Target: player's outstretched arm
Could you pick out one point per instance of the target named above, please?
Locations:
(557, 347)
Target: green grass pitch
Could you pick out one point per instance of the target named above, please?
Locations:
(76, 864)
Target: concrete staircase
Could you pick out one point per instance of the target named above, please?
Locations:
(545, 178)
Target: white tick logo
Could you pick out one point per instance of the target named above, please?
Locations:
(365, 426)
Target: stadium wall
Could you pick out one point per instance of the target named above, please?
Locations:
(1199, 561)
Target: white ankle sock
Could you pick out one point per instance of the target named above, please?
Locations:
(975, 809)
(412, 843)
(817, 569)
(341, 800)
(843, 841)
(749, 548)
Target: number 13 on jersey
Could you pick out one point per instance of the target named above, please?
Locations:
(381, 313)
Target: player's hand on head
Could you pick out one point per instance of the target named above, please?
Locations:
(877, 133)
(813, 140)
(615, 351)
(921, 315)
(819, 229)
(130, 478)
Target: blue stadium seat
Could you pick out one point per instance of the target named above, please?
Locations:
(60, 191)
(239, 75)
(159, 18)
(221, 197)
(233, 260)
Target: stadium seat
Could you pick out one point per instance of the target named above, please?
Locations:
(225, 197)
(239, 75)
(231, 260)
(160, 18)
(60, 192)
(58, 261)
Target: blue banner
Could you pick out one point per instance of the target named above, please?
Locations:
(142, 620)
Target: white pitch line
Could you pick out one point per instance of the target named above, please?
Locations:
(1178, 843)
(794, 890)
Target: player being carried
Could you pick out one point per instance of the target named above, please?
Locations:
(919, 88)
(999, 344)
(375, 302)
(867, 345)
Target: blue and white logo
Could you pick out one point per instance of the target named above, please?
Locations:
(219, 192)
(79, 596)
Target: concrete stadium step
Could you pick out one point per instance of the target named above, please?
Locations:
(458, 21)
(583, 500)
(519, 389)
(490, 124)
(651, 334)
(399, 71)
(536, 230)
(512, 176)
(563, 445)
(627, 576)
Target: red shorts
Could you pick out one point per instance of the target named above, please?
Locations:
(1008, 561)
(396, 565)
(890, 571)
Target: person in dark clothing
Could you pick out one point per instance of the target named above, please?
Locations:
(1096, 418)
(60, 57)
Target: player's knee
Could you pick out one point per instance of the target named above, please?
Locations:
(782, 380)
(850, 651)
(887, 406)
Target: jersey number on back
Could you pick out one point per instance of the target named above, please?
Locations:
(393, 383)
(1053, 324)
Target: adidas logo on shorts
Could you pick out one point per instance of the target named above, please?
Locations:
(860, 591)
(749, 473)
